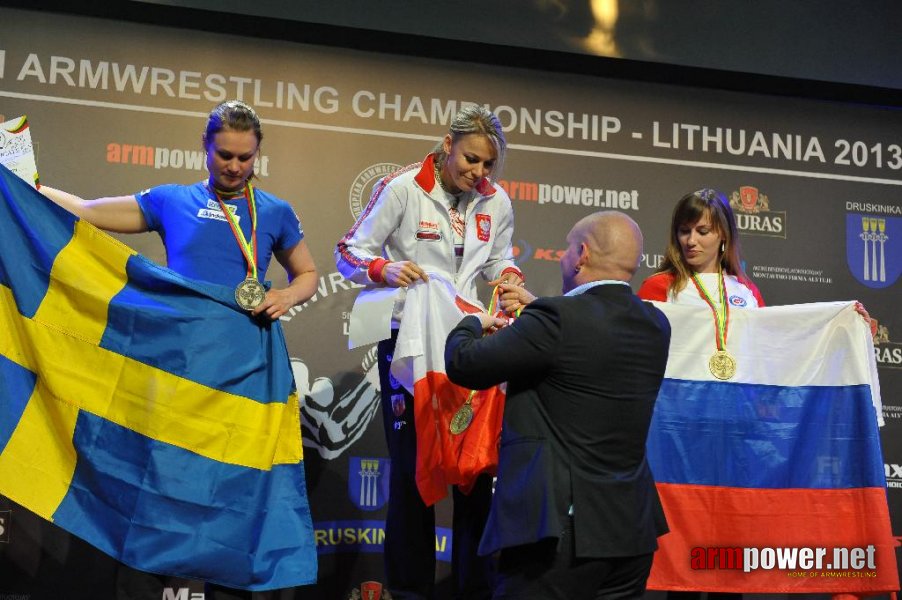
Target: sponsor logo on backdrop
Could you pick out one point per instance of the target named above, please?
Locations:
(524, 251)
(362, 186)
(332, 422)
(5, 521)
(546, 193)
(368, 482)
(181, 593)
(753, 213)
(888, 353)
(874, 243)
(893, 474)
(333, 283)
(892, 411)
(370, 590)
(793, 274)
(652, 261)
(168, 158)
(356, 536)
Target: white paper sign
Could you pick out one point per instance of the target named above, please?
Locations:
(17, 151)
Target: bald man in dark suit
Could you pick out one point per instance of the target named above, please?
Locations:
(575, 512)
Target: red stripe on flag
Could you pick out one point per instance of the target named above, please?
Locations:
(705, 517)
(443, 458)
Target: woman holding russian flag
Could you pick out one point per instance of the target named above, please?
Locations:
(703, 266)
(703, 263)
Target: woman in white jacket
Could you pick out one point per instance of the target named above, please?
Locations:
(442, 215)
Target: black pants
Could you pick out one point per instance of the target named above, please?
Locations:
(549, 570)
(410, 525)
(698, 596)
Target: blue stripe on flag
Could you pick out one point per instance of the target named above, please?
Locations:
(774, 437)
(151, 505)
(25, 268)
(17, 384)
(168, 321)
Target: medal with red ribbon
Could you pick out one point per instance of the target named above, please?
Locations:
(250, 293)
(721, 364)
(464, 415)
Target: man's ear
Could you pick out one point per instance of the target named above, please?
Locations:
(583, 254)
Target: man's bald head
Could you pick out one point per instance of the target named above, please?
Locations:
(614, 243)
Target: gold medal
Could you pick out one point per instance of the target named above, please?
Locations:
(250, 294)
(722, 365)
(461, 419)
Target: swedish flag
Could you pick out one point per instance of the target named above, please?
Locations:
(143, 411)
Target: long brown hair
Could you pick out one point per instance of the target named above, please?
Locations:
(688, 211)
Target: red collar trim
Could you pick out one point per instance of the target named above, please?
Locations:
(426, 177)
(485, 187)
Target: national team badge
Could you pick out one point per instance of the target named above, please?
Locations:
(874, 249)
(483, 227)
(368, 482)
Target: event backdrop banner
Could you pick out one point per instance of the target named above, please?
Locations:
(116, 107)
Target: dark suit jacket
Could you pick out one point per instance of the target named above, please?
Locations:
(583, 374)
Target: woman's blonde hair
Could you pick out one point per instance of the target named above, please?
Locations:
(471, 119)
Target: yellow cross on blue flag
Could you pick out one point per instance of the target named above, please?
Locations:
(145, 412)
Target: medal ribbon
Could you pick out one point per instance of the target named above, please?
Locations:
(248, 249)
(721, 314)
(492, 311)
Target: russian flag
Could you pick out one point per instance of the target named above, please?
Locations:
(773, 480)
(144, 412)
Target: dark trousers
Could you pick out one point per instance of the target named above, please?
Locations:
(409, 548)
(549, 570)
(698, 596)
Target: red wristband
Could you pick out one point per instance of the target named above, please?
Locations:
(375, 269)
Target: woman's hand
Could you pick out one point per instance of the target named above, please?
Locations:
(859, 308)
(511, 277)
(402, 273)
